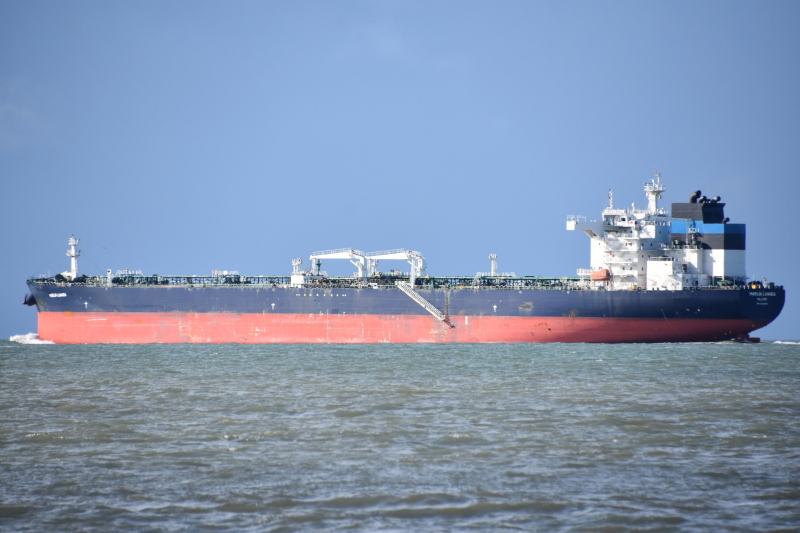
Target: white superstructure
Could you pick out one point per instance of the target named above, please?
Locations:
(649, 249)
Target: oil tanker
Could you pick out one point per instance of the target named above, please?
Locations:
(654, 276)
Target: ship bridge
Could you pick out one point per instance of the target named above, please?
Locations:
(647, 248)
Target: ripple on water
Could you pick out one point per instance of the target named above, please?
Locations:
(556, 437)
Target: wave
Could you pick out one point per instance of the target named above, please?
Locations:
(786, 342)
(29, 338)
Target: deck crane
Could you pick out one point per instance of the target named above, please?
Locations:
(357, 257)
(414, 258)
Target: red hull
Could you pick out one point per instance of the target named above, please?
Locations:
(70, 328)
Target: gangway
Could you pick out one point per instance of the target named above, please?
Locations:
(417, 297)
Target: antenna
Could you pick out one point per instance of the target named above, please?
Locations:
(653, 192)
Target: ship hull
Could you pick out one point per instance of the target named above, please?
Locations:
(291, 328)
(74, 314)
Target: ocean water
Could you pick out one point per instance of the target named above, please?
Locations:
(606, 438)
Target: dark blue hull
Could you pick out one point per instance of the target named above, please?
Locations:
(760, 306)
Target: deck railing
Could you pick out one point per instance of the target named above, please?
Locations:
(422, 284)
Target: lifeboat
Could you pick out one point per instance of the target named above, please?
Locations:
(603, 274)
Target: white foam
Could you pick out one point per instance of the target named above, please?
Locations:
(786, 342)
(30, 338)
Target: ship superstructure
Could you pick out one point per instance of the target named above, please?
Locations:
(654, 276)
(649, 249)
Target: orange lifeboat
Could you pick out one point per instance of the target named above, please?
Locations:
(603, 274)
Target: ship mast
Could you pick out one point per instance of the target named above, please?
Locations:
(73, 254)
(493, 258)
(653, 191)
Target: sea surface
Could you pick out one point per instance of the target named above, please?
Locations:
(558, 437)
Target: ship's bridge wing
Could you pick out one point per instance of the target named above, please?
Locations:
(592, 228)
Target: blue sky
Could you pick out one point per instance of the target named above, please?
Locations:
(179, 137)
